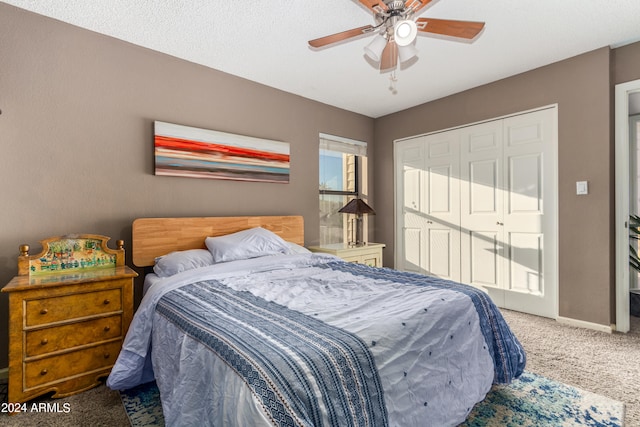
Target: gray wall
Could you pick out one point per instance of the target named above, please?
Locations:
(625, 64)
(76, 134)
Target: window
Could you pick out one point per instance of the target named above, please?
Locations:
(343, 165)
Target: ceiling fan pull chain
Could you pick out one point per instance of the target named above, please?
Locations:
(392, 82)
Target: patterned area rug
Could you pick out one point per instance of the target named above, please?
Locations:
(531, 400)
(142, 405)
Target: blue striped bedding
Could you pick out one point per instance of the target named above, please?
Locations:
(271, 347)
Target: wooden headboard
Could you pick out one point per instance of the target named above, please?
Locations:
(154, 237)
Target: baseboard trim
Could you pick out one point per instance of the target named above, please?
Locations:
(582, 324)
(4, 373)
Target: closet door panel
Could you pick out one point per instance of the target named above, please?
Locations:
(483, 254)
(525, 184)
(411, 179)
(483, 187)
(440, 249)
(481, 204)
(440, 182)
(529, 221)
(428, 177)
(525, 263)
(442, 161)
(412, 250)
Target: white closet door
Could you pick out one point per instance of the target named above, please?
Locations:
(430, 206)
(530, 213)
(478, 205)
(412, 220)
(442, 204)
(482, 205)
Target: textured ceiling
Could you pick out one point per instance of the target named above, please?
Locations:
(266, 41)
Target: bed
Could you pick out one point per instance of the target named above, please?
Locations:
(241, 325)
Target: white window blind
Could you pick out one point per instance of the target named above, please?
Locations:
(343, 145)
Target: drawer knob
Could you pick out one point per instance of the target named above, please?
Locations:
(107, 355)
(106, 302)
(107, 328)
(44, 372)
(44, 341)
(44, 311)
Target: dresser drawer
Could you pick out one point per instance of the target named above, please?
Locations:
(372, 260)
(54, 309)
(351, 258)
(57, 368)
(57, 338)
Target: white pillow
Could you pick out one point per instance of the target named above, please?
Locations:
(251, 243)
(176, 262)
(297, 249)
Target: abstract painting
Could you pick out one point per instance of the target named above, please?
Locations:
(200, 153)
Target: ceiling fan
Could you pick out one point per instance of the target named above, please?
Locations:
(397, 31)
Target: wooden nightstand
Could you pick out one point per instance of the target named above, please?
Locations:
(68, 317)
(369, 254)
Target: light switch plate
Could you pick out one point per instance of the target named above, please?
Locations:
(582, 187)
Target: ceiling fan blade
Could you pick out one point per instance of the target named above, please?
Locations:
(375, 6)
(416, 5)
(344, 35)
(445, 27)
(389, 57)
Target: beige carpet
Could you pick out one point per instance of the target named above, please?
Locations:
(607, 364)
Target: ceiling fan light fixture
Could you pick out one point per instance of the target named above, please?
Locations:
(407, 52)
(405, 32)
(374, 49)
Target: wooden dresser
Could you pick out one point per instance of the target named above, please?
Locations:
(69, 310)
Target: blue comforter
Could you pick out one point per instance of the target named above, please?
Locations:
(422, 351)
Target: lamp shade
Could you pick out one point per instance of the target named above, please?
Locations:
(358, 207)
(374, 49)
(407, 52)
(405, 32)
